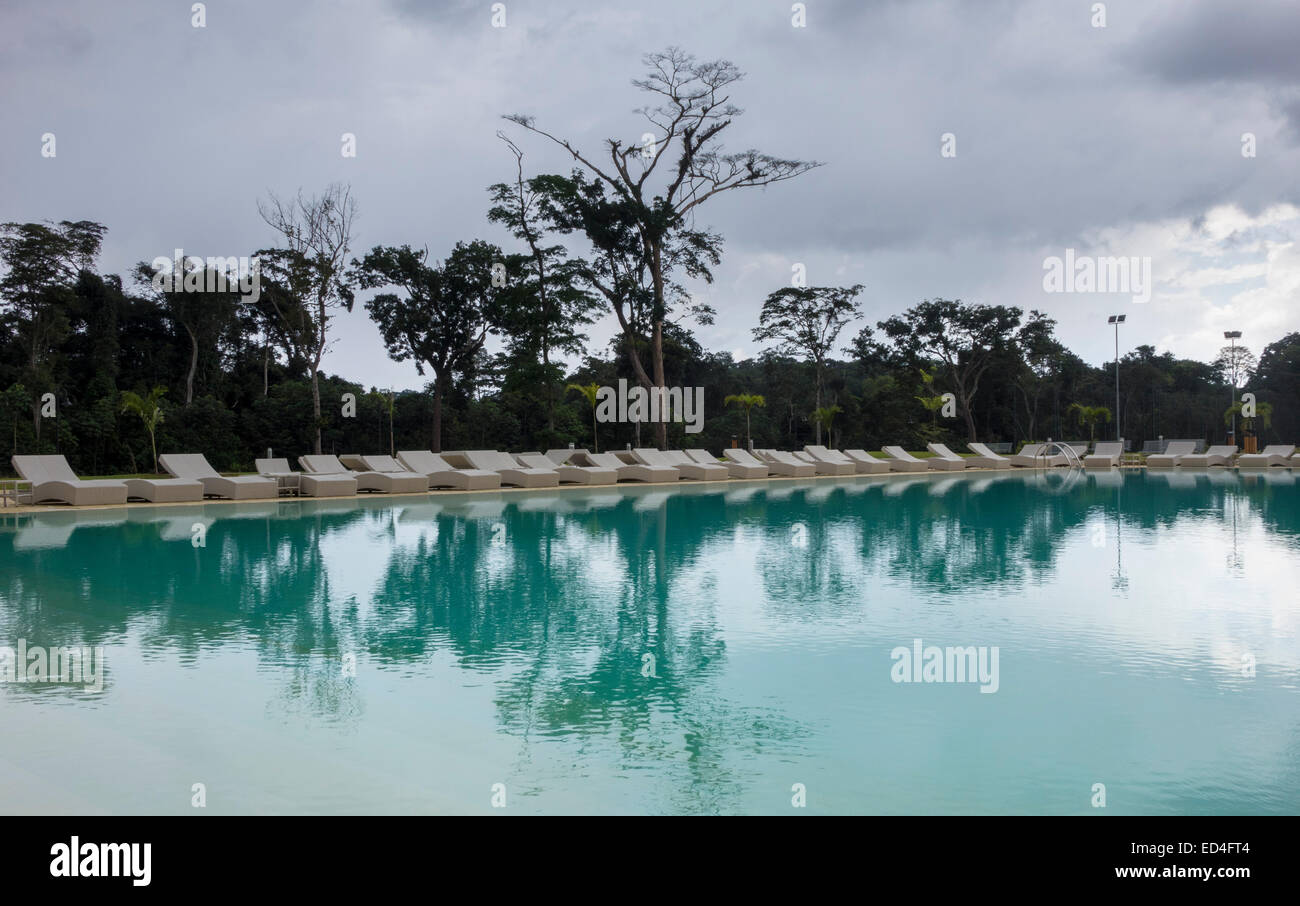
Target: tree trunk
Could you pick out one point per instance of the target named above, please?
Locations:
(194, 364)
(266, 369)
(970, 421)
(439, 386)
(657, 350)
(315, 404)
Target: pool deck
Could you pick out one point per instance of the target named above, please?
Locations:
(19, 509)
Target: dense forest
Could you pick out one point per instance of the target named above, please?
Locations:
(230, 381)
(173, 356)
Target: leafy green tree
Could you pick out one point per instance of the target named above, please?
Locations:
(547, 306)
(963, 337)
(42, 262)
(589, 392)
(149, 410)
(1262, 418)
(664, 182)
(1090, 415)
(807, 321)
(825, 415)
(746, 401)
(933, 402)
(444, 314)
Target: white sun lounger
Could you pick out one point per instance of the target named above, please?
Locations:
(902, 461)
(874, 464)
(1106, 456)
(985, 458)
(941, 452)
(845, 465)
(1033, 456)
(1215, 456)
(568, 474)
(308, 485)
(442, 475)
(753, 469)
(713, 470)
(694, 471)
(560, 455)
(624, 470)
(1272, 455)
(747, 460)
(387, 465)
(1175, 451)
(53, 481)
(400, 482)
(511, 472)
(794, 466)
(194, 466)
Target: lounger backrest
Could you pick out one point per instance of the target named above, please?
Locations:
(272, 466)
(535, 461)
(900, 453)
(744, 457)
(606, 460)
(490, 460)
(863, 455)
(1277, 450)
(422, 461)
(652, 457)
(1110, 448)
(322, 464)
(382, 463)
(1031, 449)
(40, 469)
(1222, 450)
(703, 457)
(941, 451)
(1180, 448)
(788, 459)
(982, 450)
(187, 465)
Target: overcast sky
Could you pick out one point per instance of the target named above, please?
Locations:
(1122, 140)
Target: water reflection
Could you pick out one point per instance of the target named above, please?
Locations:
(612, 613)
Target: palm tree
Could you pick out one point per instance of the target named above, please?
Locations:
(1263, 414)
(1090, 415)
(589, 391)
(824, 416)
(748, 401)
(149, 409)
(934, 402)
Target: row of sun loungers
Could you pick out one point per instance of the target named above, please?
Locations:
(415, 471)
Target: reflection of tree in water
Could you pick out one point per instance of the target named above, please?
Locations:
(258, 580)
(573, 628)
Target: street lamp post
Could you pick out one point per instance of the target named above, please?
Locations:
(1117, 320)
(1232, 336)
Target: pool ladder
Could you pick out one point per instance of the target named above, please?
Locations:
(1071, 457)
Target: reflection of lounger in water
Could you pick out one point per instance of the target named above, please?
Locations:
(52, 531)
(652, 501)
(939, 488)
(1110, 479)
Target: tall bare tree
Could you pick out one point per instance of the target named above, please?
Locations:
(316, 234)
(665, 175)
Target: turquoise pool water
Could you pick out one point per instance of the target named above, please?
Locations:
(694, 650)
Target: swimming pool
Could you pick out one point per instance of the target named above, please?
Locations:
(685, 650)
